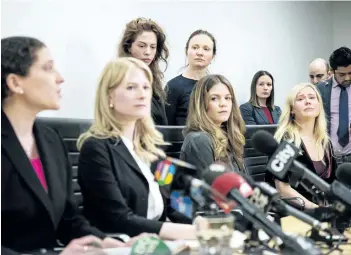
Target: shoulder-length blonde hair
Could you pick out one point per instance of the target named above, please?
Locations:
(228, 139)
(106, 125)
(135, 28)
(289, 130)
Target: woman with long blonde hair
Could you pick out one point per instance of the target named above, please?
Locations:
(303, 123)
(114, 171)
(214, 130)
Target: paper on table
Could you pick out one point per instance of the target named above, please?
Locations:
(174, 246)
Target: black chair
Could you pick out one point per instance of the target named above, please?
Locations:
(256, 161)
(70, 130)
(174, 136)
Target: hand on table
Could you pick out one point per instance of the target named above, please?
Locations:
(84, 245)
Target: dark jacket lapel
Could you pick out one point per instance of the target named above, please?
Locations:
(123, 151)
(262, 115)
(13, 149)
(326, 100)
(275, 115)
(48, 155)
(325, 89)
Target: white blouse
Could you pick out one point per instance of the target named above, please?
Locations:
(155, 201)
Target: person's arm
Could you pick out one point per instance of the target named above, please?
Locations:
(95, 170)
(174, 231)
(7, 251)
(172, 104)
(286, 191)
(199, 152)
(247, 114)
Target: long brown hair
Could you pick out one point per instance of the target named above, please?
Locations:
(253, 98)
(133, 29)
(229, 138)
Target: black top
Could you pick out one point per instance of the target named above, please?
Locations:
(31, 218)
(115, 190)
(158, 111)
(178, 95)
(255, 115)
(305, 159)
(197, 149)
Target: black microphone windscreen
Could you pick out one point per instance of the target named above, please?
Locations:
(264, 142)
(215, 170)
(343, 173)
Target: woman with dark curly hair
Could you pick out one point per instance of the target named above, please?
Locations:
(145, 40)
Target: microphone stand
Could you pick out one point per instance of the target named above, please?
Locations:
(294, 245)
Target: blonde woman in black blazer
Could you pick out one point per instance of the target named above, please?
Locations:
(116, 153)
(37, 206)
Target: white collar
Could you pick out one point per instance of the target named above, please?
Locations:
(128, 143)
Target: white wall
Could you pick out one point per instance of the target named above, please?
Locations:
(281, 37)
(341, 24)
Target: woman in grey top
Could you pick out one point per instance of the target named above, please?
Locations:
(214, 130)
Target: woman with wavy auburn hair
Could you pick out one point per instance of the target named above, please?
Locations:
(145, 40)
(114, 170)
(214, 129)
(303, 123)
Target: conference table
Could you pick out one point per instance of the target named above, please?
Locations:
(289, 224)
(293, 225)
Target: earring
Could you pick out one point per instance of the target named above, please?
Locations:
(111, 105)
(20, 91)
(292, 116)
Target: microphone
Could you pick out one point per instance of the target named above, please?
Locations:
(182, 204)
(343, 174)
(263, 196)
(180, 175)
(231, 184)
(171, 171)
(283, 159)
(150, 245)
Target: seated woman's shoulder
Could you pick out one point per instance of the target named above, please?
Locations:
(49, 131)
(93, 142)
(197, 136)
(246, 105)
(277, 107)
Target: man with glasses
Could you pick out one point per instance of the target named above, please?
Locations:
(336, 94)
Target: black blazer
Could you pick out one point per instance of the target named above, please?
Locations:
(31, 218)
(158, 111)
(325, 89)
(255, 116)
(115, 190)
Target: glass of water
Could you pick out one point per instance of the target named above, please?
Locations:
(214, 233)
